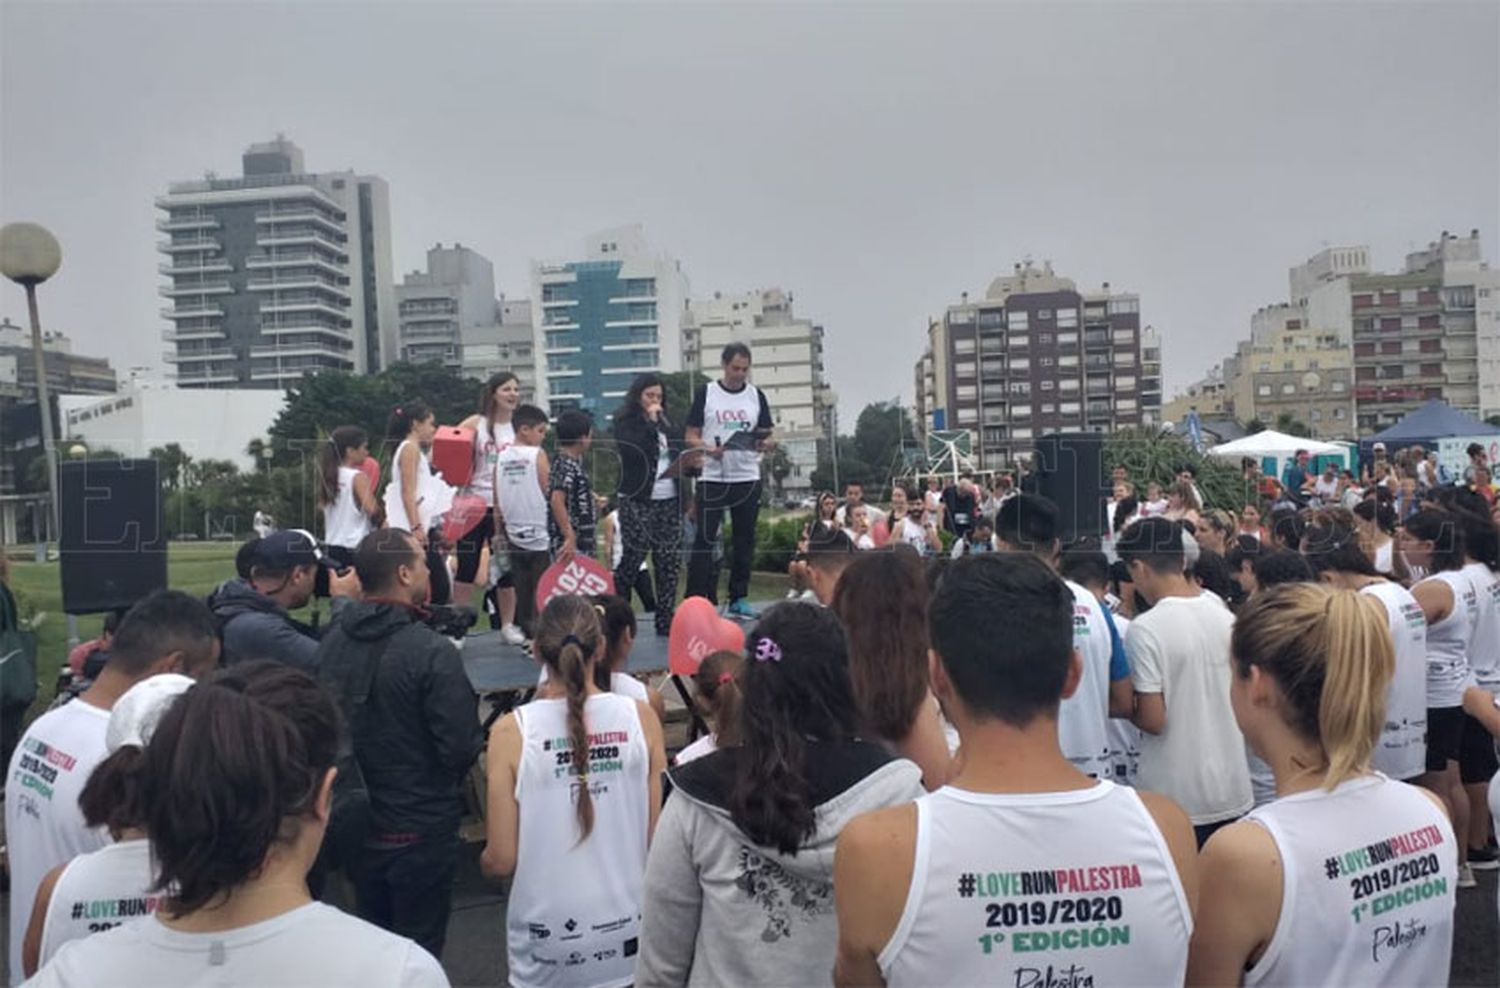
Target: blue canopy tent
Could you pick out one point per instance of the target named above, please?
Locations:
(1439, 428)
(1433, 421)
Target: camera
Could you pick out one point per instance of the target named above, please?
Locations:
(451, 620)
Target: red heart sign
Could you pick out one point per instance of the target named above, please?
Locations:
(581, 575)
(698, 630)
(370, 467)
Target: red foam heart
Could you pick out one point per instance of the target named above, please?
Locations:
(581, 575)
(698, 630)
(370, 467)
(467, 511)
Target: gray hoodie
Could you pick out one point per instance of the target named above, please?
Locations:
(720, 910)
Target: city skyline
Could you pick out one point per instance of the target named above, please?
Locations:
(877, 162)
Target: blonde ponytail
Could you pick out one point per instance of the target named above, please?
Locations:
(1330, 653)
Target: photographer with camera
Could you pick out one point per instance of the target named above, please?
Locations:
(253, 611)
(415, 731)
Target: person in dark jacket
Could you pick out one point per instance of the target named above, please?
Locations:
(414, 740)
(253, 611)
(650, 519)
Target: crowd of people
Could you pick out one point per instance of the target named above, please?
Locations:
(1211, 747)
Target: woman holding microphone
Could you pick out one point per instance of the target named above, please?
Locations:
(650, 513)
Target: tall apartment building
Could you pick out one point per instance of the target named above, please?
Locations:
(68, 373)
(435, 306)
(787, 366)
(602, 319)
(277, 273)
(503, 345)
(1037, 356)
(1290, 368)
(1431, 331)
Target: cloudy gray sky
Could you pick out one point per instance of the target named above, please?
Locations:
(875, 159)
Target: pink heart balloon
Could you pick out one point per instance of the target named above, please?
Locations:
(698, 630)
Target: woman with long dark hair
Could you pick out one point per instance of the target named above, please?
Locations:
(493, 434)
(739, 884)
(650, 521)
(344, 492)
(1433, 539)
(575, 779)
(881, 598)
(415, 497)
(1286, 894)
(237, 786)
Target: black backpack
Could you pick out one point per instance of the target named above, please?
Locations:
(350, 817)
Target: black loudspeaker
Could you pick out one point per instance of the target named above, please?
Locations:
(113, 541)
(1069, 471)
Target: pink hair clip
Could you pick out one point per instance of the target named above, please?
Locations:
(767, 651)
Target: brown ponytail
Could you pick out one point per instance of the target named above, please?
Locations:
(568, 639)
(718, 688)
(1330, 653)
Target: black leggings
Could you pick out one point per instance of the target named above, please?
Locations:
(472, 546)
(441, 585)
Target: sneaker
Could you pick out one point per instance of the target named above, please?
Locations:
(1466, 877)
(809, 595)
(1484, 858)
(741, 609)
(512, 635)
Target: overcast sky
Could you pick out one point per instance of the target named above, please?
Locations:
(877, 160)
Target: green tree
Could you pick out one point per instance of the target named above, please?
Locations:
(1149, 457)
(172, 465)
(1289, 424)
(779, 466)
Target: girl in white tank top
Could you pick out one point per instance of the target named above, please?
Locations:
(574, 791)
(347, 500)
(105, 888)
(1347, 877)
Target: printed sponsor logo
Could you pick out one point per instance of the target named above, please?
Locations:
(1072, 976)
(604, 955)
(1386, 939)
(538, 931)
(575, 959)
(612, 925)
(631, 947)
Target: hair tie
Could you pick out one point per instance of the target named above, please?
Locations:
(726, 677)
(599, 609)
(767, 650)
(398, 409)
(571, 640)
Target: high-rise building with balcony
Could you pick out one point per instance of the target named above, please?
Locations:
(1432, 331)
(1038, 356)
(787, 367)
(278, 273)
(601, 320)
(505, 345)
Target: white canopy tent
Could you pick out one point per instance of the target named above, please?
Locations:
(1268, 443)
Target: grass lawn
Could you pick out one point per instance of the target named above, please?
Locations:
(193, 567)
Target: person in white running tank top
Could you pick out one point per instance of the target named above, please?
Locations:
(1432, 539)
(574, 793)
(1332, 547)
(239, 791)
(1348, 877)
(1477, 763)
(1022, 870)
(345, 495)
(1029, 523)
(493, 434)
(100, 890)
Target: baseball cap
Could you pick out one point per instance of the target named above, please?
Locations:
(133, 719)
(288, 549)
(1380, 446)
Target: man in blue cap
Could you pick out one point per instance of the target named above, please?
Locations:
(254, 610)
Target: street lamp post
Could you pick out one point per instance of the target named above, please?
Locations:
(29, 255)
